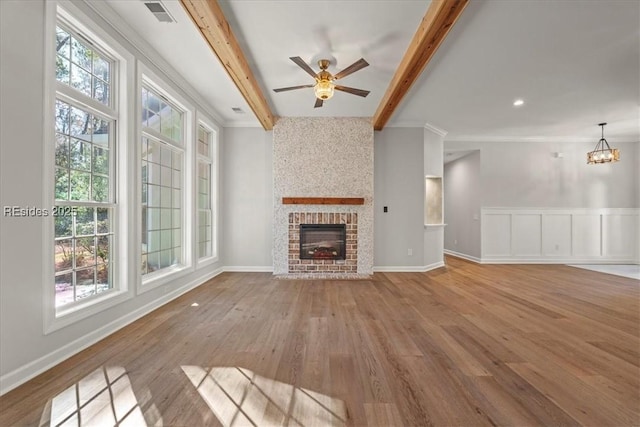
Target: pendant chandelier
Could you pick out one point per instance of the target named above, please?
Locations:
(603, 153)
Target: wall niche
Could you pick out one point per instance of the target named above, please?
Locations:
(433, 200)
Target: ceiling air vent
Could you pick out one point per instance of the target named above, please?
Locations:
(237, 110)
(159, 10)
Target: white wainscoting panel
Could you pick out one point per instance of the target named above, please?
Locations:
(498, 226)
(526, 235)
(587, 235)
(552, 235)
(616, 229)
(556, 235)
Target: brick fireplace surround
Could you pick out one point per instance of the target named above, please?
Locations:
(312, 266)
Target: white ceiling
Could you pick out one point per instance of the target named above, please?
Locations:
(574, 62)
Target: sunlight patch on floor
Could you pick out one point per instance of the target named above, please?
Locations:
(104, 397)
(238, 396)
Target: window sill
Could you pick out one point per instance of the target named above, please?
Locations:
(162, 277)
(70, 315)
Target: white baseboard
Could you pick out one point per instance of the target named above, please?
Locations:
(546, 260)
(511, 260)
(249, 268)
(407, 268)
(13, 379)
(463, 256)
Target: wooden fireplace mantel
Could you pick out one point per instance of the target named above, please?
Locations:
(323, 200)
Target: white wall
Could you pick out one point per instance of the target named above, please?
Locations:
(247, 199)
(24, 349)
(462, 202)
(398, 184)
(433, 166)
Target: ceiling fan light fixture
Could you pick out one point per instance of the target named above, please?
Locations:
(324, 89)
(603, 153)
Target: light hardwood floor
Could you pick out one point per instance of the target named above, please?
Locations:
(465, 345)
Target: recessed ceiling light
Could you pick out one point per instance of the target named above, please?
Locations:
(518, 102)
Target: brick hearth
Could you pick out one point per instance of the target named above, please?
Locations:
(312, 266)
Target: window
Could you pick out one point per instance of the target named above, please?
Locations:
(162, 183)
(82, 67)
(84, 143)
(204, 201)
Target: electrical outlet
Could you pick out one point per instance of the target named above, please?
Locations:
(455, 242)
(410, 252)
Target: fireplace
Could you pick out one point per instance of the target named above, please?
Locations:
(323, 241)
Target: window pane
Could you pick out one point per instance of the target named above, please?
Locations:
(63, 70)
(100, 160)
(62, 117)
(64, 289)
(80, 124)
(100, 190)
(161, 116)
(85, 221)
(100, 90)
(63, 225)
(81, 67)
(80, 155)
(102, 224)
(102, 250)
(63, 255)
(63, 43)
(62, 150)
(203, 141)
(85, 252)
(80, 54)
(163, 192)
(81, 79)
(62, 184)
(101, 67)
(80, 183)
(204, 210)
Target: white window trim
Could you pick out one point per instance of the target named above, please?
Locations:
(146, 77)
(214, 154)
(57, 318)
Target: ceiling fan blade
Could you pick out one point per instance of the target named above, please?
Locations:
(283, 89)
(319, 103)
(303, 65)
(358, 65)
(353, 91)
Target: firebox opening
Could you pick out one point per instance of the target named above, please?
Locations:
(323, 241)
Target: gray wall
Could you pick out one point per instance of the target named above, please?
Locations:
(398, 184)
(462, 195)
(526, 174)
(247, 198)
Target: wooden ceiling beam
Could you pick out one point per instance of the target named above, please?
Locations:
(435, 25)
(210, 20)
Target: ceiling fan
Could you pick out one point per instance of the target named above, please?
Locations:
(324, 85)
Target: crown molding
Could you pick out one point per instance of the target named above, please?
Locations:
(435, 129)
(243, 124)
(544, 139)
